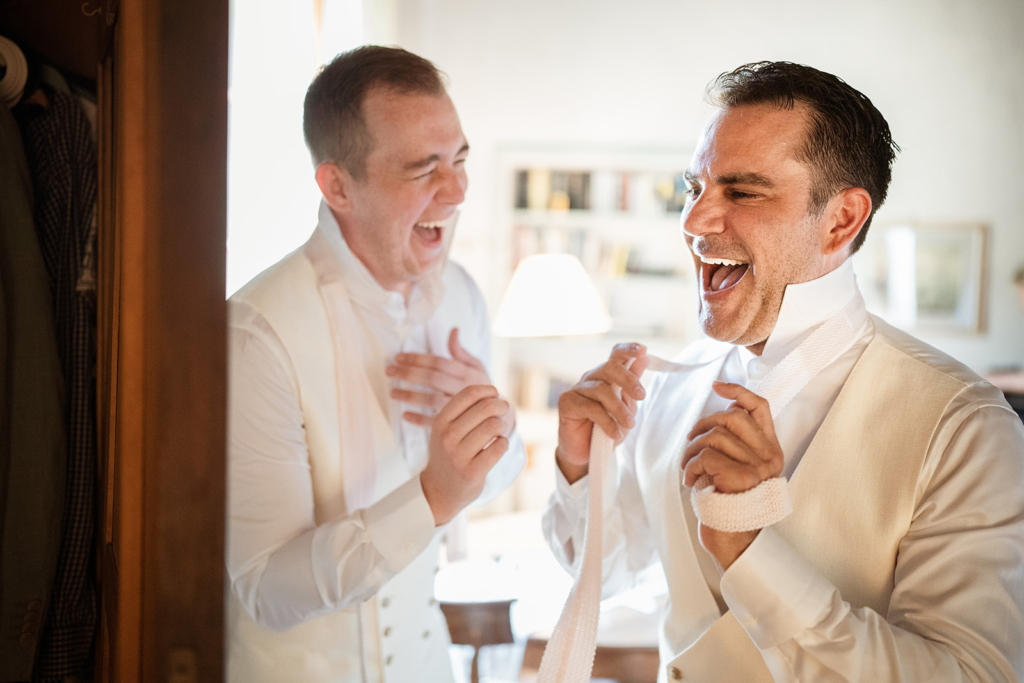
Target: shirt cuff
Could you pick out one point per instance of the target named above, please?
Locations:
(773, 592)
(401, 524)
(574, 494)
(570, 493)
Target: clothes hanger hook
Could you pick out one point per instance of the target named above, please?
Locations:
(90, 14)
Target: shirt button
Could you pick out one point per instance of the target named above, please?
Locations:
(675, 674)
(432, 602)
(387, 662)
(387, 631)
(385, 602)
(426, 634)
(750, 621)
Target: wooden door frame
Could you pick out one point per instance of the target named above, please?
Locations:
(162, 339)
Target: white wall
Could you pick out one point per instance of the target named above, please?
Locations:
(948, 75)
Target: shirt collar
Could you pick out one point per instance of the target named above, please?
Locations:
(805, 306)
(368, 294)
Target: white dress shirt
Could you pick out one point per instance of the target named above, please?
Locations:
(277, 555)
(796, 617)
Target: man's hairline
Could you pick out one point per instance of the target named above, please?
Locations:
(389, 89)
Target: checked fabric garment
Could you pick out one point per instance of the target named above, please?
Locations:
(62, 161)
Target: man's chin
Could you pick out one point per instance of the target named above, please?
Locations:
(729, 331)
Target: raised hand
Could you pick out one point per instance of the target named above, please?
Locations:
(442, 377)
(465, 443)
(738, 449)
(596, 399)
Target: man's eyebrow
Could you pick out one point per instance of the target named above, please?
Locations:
(432, 159)
(745, 178)
(691, 177)
(421, 163)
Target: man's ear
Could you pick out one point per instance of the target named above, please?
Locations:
(335, 185)
(849, 210)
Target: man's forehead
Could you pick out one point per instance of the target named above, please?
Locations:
(406, 128)
(749, 144)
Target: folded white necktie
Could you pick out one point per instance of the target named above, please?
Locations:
(569, 655)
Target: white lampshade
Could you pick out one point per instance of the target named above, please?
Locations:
(551, 295)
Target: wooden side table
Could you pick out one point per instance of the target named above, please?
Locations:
(478, 624)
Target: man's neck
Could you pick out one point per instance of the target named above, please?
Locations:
(806, 305)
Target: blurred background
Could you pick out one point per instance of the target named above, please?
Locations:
(582, 114)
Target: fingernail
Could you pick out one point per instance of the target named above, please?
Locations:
(630, 421)
(636, 347)
(639, 393)
(390, 370)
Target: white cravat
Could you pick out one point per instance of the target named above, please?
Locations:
(569, 656)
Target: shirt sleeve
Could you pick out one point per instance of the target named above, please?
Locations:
(284, 567)
(626, 542)
(955, 613)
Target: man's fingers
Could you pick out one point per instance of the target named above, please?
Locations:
(745, 398)
(464, 400)
(431, 399)
(460, 354)
(604, 394)
(426, 377)
(486, 459)
(430, 362)
(728, 475)
(725, 442)
(574, 406)
(740, 423)
(480, 411)
(481, 435)
(624, 352)
(417, 419)
(615, 372)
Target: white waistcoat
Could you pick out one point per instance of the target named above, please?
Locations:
(400, 635)
(866, 457)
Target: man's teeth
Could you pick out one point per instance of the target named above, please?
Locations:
(720, 261)
(431, 224)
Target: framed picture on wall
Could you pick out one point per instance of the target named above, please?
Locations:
(926, 277)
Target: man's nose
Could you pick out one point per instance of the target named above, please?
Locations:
(453, 189)
(703, 216)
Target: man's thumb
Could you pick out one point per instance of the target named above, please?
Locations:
(455, 348)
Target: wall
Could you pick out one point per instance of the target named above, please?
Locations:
(947, 75)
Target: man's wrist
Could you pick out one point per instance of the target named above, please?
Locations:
(726, 547)
(571, 472)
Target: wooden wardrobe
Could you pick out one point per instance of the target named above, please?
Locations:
(160, 68)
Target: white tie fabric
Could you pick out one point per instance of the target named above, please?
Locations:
(569, 655)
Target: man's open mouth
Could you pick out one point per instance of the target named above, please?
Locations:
(430, 232)
(719, 274)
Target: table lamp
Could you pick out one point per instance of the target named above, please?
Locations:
(551, 295)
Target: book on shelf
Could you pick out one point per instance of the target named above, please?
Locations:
(602, 190)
